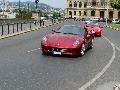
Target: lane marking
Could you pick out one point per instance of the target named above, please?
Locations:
(33, 50)
(117, 48)
(89, 83)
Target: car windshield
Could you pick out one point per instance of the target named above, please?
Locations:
(71, 30)
(95, 25)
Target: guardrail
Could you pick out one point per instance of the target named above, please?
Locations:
(8, 29)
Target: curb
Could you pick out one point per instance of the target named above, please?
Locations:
(22, 32)
(112, 28)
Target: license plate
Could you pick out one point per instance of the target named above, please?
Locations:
(57, 53)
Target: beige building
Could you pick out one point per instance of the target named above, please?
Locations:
(91, 8)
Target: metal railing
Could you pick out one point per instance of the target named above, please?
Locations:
(12, 28)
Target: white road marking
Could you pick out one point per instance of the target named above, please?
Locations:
(33, 50)
(117, 48)
(89, 83)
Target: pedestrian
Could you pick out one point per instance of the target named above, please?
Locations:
(74, 18)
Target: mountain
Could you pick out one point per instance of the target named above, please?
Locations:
(32, 5)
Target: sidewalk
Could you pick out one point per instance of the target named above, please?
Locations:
(26, 29)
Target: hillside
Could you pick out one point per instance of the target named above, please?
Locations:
(32, 5)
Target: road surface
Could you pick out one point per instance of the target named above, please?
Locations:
(23, 67)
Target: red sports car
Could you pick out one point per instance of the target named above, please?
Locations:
(95, 28)
(67, 40)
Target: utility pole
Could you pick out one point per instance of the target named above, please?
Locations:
(19, 9)
(3, 7)
(107, 6)
(28, 6)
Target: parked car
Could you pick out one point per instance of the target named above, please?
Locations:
(101, 20)
(67, 40)
(109, 21)
(78, 19)
(88, 20)
(95, 19)
(118, 22)
(83, 19)
(115, 21)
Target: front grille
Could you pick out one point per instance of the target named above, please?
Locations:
(56, 49)
(59, 50)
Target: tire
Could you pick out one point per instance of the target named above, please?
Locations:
(82, 50)
(91, 46)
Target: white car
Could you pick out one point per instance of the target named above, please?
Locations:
(94, 19)
(88, 20)
(115, 21)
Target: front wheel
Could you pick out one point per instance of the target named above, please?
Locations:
(82, 50)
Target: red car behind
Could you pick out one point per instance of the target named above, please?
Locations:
(67, 40)
(96, 29)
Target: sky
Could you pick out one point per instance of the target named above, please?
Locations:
(54, 3)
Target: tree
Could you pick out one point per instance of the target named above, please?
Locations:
(24, 15)
(36, 2)
(116, 4)
(56, 14)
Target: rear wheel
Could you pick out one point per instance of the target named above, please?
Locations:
(91, 46)
(82, 50)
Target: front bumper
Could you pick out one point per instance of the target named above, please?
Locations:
(60, 51)
(97, 34)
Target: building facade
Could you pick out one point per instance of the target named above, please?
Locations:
(91, 8)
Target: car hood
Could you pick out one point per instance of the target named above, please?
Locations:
(96, 29)
(62, 40)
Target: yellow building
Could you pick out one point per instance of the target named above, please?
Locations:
(91, 8)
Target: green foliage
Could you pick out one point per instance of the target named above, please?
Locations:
(43, 14)
(56, 14)
(116, 4)
(46, 15)
(24, 15)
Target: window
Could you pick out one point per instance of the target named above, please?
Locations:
(111, 4)
(75, 4)
(80, 4)
(85, 13)
(74, 12)
(70, 4)
(93, 13)
(93, 2)
(79, 13)
(70, 13)
(85, 4)
(103, 2)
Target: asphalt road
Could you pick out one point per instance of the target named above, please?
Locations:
(23, 67)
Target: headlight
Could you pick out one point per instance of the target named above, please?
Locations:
(99, 30)
(76, 43)
(44, 39)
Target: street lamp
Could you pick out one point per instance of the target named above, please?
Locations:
(107, 12)
(19, 8)
(3, 7)
(36, 2)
